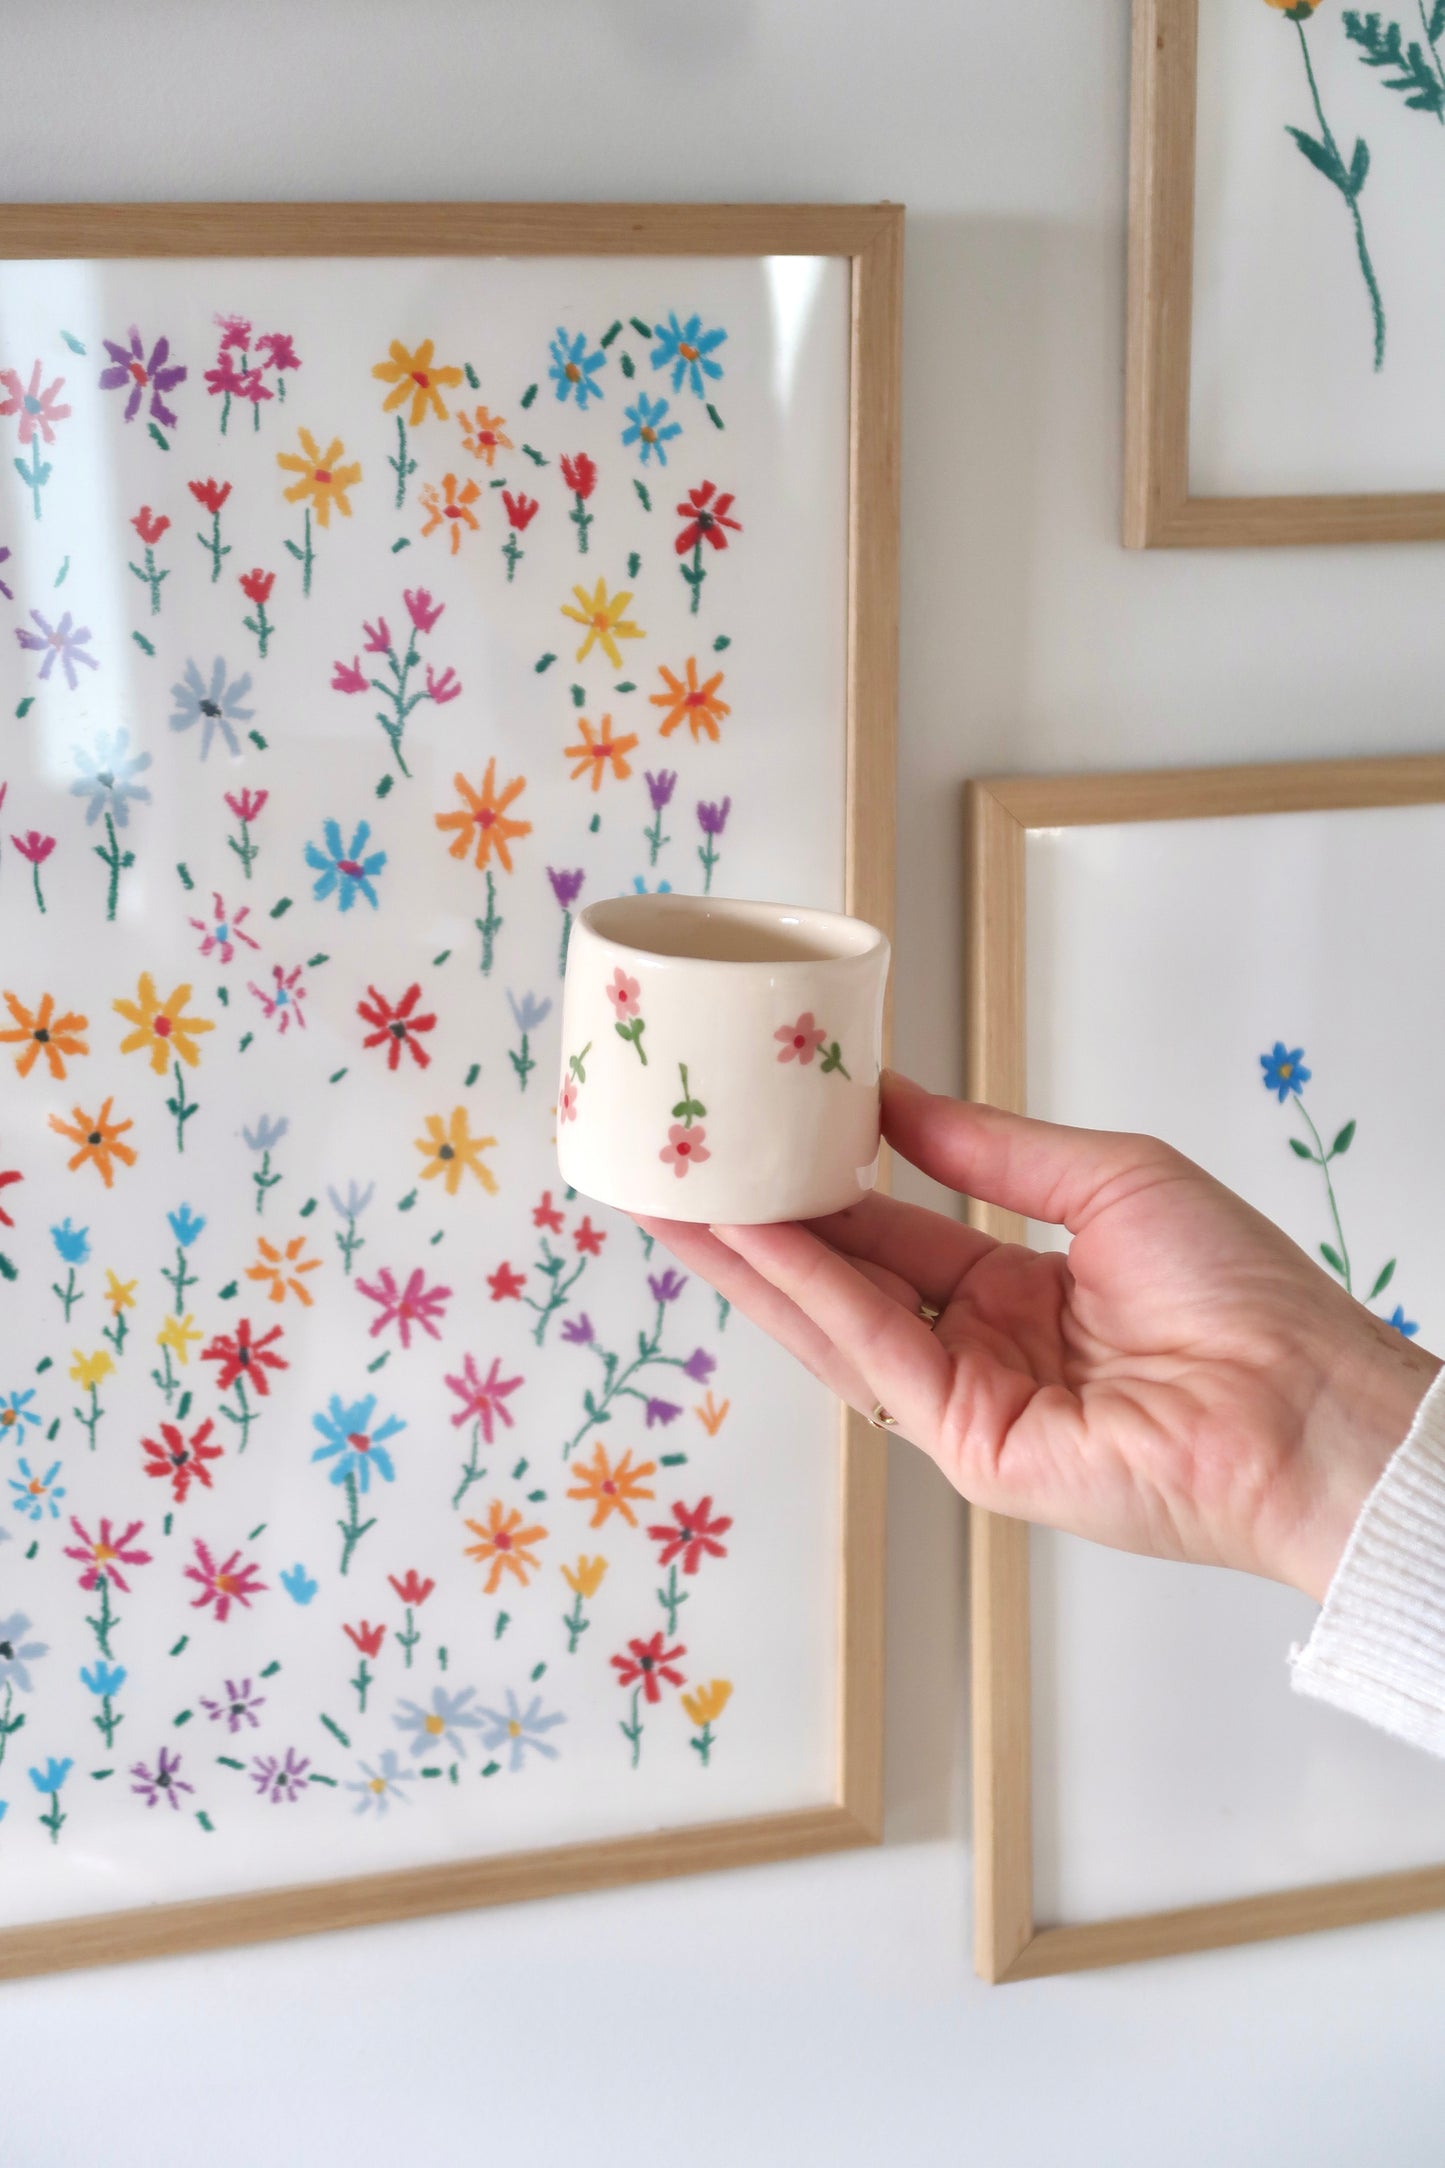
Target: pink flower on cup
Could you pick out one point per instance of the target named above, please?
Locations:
(799, 1041)
(684, 1148)
(567, 1102)
(624, 994)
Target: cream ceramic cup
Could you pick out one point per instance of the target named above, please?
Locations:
(721, 1061)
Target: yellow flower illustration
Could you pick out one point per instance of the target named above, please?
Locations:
(120, 1294)
(504, 1544)
(324, 480)
(612, 1488)
(281, 1269)
(585, 1578)
(416, 377)
(40, 1031)
(696, 705)
(599, 751)
(180, 1335)
(482, 435)
(705, 1704)
(450, 1150)
(88, 1370)
(604, 621)
(162, 1027)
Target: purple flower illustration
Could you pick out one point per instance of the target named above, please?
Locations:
(154, 373)
(163, 1782)
(279, 1780)
(67, 640)
(700, 1366)
(237, 1706)
(667, 1287)
(4, 590)
(660, 788)
(662, 1411)
(711, 819)
(580, 1331)
(566, 887)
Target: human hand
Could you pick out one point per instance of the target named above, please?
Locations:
(1183, 1381)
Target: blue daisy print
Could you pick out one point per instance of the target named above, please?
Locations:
(380, 1782)
(519, 1728)
(1284, 1070)
(649, 429)
(347, 873)
(107, 779)
(16, 1412)
(572, 368)
(352, 1443)
(213, 704)
(447, 1718)
(34, 1493)
(687, 350)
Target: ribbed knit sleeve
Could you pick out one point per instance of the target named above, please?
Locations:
(1378, 1646)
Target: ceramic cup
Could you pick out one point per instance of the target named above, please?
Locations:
(720, 1060)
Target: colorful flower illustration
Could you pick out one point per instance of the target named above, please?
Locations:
(150, 526)
(711, 1415)
(599, 753)
(244, 1360)
(645, 1666)
(235, 1706)
(528, 1014)
(712, 820)
(179, 1460)
(356, 1448)
(18, 1652)
(404, 1307)
(163, 1782)
(584, 1579)
(223, 929)
(704, 1706)
(517, 1729)
(612, 1487)
(660, 788)
(418, 376)
(137, 372)
(256, 586)
(42, 1033)
(119, 1296)
(9, 592)
(484, 1399)
(412, 1591)
(101, 1140)
(1286, 1076)
(649, 429)
(685, 1147)
(48, 1782)
(687, 350)
(504, 1545)
(107, 781)
(397, 1026)
(345, 870)
(482, 434)
(298, 1584)
(566, 887)
(66, 643)
(604, 621)
(16, 1412)
(691, 1535)
(37, 1494)
(103, 1555)
(381, 1782)
(483, 824)
(521, 510)
(223, 1583)
(281, 1003)
(450, 1151)
(449, 1718)
(1403, 1325)
(325, 480)
(280, 1270)
(572, 369)
(246, 806)
(625, 993)
(580, 474)
(241, 363)
(212, 496)
(105, 1681)
(350, 1208)
(281, 1781)
(687, 701)
(705, 517)
(35, 848)
(38, 412)
(168, 1035)
(214, 704)
(505, 1284)
(450, 508)
(1324, 154)
(423, 614)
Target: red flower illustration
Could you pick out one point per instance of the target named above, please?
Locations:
(580, 474)
(349, 677)
(414, 1304)
(521, 509)
(649, 1662)
(444, 688)
(242, 1357)
(173, 1458)
(105, 1554)
(411, 1588)
(397, 1025)
(246, 804)
(149, 525)
(546, 1214)
(483, 1398)
(34, 846)
(210, 493)
(9, 1175)
(422, 611)
(224, 1584)
(694, 1536)
(589, 1239)
(367, 1638)
(506, 1285)
(378, 636)
(256, 586)
(706, 516)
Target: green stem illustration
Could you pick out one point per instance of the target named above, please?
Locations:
(349, 1242)
(103, 1626)
(472, 1472)
(115, 1331)
(632, 1729)
(1322, 1160)
(617, 1379)
(90, 1418)
(214, 547)
(551, 1268)
(36, 475)
(151, 577)
(575, 1624)
(489, 927)
(183, 1109)
(111, 855)
(632, 1033)
(165, 1377)
(8, 1723)
(361, 1682)
(180, 1279)
(672, 1598)
(353, 1528)
(267, 1180)
(69, 1295)
(400, 462)
(1324, 155)
(108, 1722)
(521, 1060)
(243, 1413)
(702, 1743)
(245, 850)
(410, 1638)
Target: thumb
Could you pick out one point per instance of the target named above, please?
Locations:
(1039, 1169)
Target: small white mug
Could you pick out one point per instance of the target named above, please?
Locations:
(721, 1060)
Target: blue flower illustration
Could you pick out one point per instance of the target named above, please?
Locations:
(1284, 1071)
(215, 706)
(1402, 1324)
(17, 1653)
(379, 1785)
(352, 1443)
(16, 1412)
(640, 887)
(447, 1717)
(345, 870)
(67, 640)
(49, 1780)
(33, 1493)
(354, 1203)
(687, 350)
(267, 1134)
(520, 1728)
(529, 1012)
(650, 429)
(73, 1243)
(103, 1679)
(185, 1226)
(107, 778)
(572, 368)
(298, 1584)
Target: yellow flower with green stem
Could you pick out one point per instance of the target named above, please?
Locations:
(165, 1031)
(450, 1151)
(704, 1705)
(418, 376)
(177, 1336)
(118, 1297)
(323, 480)
(87, 1371)
(604, 621)
(584, 1579)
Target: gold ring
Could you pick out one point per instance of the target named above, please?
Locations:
(929, 1315)
(881, 1419)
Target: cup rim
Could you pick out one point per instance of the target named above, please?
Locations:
(851, 942)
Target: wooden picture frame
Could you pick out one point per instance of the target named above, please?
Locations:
(870, 237)
(1159, 510)
(1009, 1943)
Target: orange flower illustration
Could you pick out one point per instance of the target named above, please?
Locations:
(280, 1270)
(324, 481)
(99, 1139)
(604, 621)
(599, 750)
(710, 1415)
(451, 1150)
(696, 705)
(416, 377)
(484, 818)
(506, 1544)
(161, 1027)
(482, 435)
(43, 1032)
(450, 507)
(612, 1489)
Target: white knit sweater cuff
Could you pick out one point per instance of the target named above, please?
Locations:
(1378, 1645)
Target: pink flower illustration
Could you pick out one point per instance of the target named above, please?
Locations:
(800, 1041)
(223, 1584)
(624, 994)
(223, 929)
(684, 1148)
(483, 1398)
(283, 1003)
(567, 1102)
(414, 1304)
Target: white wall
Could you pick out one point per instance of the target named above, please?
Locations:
(824, 2012)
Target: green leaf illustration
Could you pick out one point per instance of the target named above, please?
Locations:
(1343, 1141)
(1388, 1272)
(1333, 1259)
(1359, 165)
(1301, 1151)
(1321, 156)
(1415, 78)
